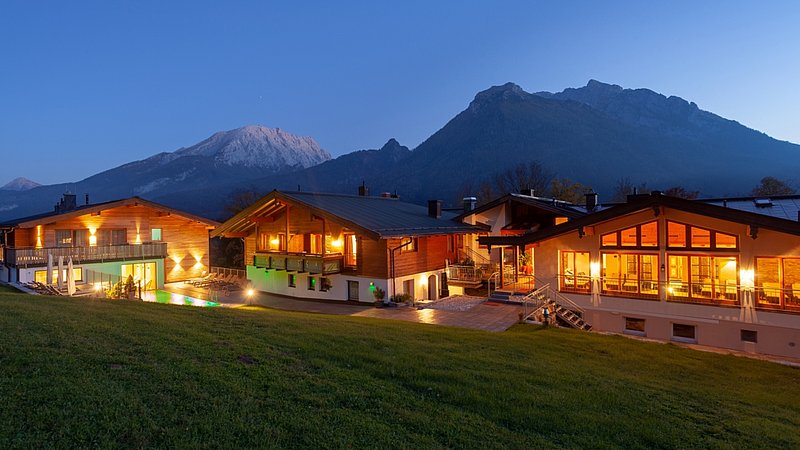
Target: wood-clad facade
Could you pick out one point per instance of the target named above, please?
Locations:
(101, 239)
(303, 249)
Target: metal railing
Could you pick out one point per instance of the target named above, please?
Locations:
(464, 273)
(299, 263)
(226, 272)
(24, 257)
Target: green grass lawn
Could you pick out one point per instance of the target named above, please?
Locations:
(97, 373)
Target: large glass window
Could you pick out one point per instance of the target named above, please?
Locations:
(630, 274)
(644, 235)
(703, 278)
(575, 271)
(777, 282)
(679, 235)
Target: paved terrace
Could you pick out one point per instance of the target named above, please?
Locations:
(486, 316)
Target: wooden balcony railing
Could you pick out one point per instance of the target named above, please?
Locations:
(35, 257)
(314, 264)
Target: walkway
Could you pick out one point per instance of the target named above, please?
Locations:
(487, 316)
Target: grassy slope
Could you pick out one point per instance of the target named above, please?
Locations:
(99, 373)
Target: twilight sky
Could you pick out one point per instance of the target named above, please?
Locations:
(86, 86)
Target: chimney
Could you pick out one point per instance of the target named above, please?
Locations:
(363, 191)
(529, 192)
(591, 201)
(68, 203)
(469, 203)
(87, 199)
(435, 208)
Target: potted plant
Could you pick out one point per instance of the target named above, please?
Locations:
(379, 295)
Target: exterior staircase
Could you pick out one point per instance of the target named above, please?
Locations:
(564, 309)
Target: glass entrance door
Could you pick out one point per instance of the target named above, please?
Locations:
(143, 272)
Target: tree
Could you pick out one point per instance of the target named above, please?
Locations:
(241, 199)
(523, 176)
(626, 187)
(681, 192)
(569, 191)
(772, 186)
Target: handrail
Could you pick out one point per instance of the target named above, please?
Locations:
(475, 256)
(489, 283)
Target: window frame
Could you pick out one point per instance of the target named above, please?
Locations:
(619, 245)
(639, 280)
(712, 240)
(691, 283)
(562, 276)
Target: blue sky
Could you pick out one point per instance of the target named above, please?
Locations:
(86, 86)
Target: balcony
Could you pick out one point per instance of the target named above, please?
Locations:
(314, 264)
(37, 257)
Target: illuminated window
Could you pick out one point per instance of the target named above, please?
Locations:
(644, 235)
(40, 276)
(560, 220)
(312, 283)
(411, 247)
(700, 238)
(350, 250)
(155, 234)
(292, 280)
(676, 235)
(628, 237)
(679, 235)
(777, 282)
(609, 240)
(723, 240)
(630, 274)
(575, 271)
(704, 279)
(649, 234)
(314, 244)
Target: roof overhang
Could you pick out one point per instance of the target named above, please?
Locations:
(654, 201)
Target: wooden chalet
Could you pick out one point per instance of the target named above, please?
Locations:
(343, 247)
(106, 241)
(722, 272)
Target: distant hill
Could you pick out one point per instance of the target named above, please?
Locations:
(596, 134)
(227, 157)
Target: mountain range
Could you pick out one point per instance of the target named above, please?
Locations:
(596, 134)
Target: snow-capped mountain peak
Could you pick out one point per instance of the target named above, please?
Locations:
(20, 184)
(260, 147)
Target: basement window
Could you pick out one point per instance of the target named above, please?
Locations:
(749, 336)
(312, 284)
(683, 333)
(292, 280)
(634, 326)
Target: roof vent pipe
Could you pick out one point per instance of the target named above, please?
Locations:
(435, 208)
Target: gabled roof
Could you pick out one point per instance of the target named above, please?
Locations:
(53, 216)
(551, 205)
(377, 217)
(643, 202)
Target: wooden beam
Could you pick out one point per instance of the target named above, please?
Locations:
(268, 219)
